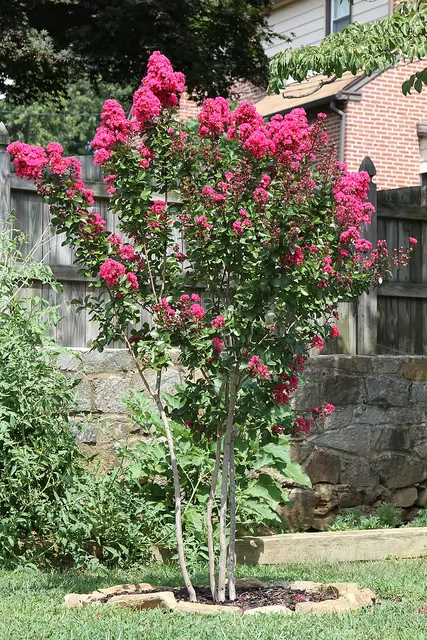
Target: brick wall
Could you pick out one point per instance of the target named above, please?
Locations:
(383, 125)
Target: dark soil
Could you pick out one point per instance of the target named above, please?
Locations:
(249, 598)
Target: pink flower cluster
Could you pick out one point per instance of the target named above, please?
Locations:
(296, 256)
(115, 128)
(127, 252)
(303, 426)
(282, 391)
(111, 270)
(157, 217)
(108, 183)
(158, 89)
(215, 117)
(28, 160)
(217, 345)
(257, 368)
(218, 322)
(318, 343)
(31, 160)
(96, 223)
(350, 192)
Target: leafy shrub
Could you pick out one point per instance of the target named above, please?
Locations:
(420, 520)
(385, 517)
(51, 504)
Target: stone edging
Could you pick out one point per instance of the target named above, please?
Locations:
(347, 596)
(374, 544)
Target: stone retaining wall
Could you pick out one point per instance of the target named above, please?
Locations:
(372, 449)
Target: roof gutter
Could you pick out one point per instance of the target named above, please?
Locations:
(341, 114)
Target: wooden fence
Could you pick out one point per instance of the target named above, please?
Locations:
(392, 319)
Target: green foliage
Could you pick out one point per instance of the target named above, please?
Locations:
(257, 493)
(361, 47)
(385, 517)
(420, 520)
(70, 120)
(52, 505)
(44, 46)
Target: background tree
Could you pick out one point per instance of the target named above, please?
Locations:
(361, 47)
(46, 43)
(72, 120)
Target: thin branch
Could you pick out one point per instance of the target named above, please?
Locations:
(321, 84)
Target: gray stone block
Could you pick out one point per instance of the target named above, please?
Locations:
(418, 394)
(109, 361)
(69, 362)
(358, 472)
(397, 469)
(353, 439)
(88, 436)
(422, 498)
(84, 395)
(405, 497)
(387, 364)
(343, 389)
(108, 394)
(385, 438)
(322, 466)
(387, 391)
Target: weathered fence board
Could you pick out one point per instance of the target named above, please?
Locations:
(391, 319)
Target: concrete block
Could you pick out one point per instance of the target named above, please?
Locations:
(345, 546)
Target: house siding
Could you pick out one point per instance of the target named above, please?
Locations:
(307, 20)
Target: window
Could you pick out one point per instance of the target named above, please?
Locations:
(338, 15)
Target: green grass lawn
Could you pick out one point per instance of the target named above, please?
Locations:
(31, 607)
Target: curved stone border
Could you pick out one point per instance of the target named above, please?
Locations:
(347, 596)
(373, 544)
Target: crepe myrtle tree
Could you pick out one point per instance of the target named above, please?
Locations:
(264, 217)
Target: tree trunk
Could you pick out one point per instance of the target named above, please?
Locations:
(232, 542)
(178, 505)
(224, 490)
(209, 509)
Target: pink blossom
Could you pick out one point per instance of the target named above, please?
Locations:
(217, 345)
(127, 252)
(290, 135)
(115, 128)
(258, 144)
(195, 297)
(277, 429)
(238, 227)
(146, 106)
(256, 367)
(218, 322)
(54, 148)
(202, 221)
(214, 117)
(296, 257)
(329, 408)
(28, 160)
(162, 80)
(197, 312)
(350, 193)
(96, 223)
(303, 425)
(318, 343)
(261, 195)
(412, 240)
(335, 332)
(114, 240)
(246, 120)
(131, 277)
(110, 271)
(362, 245)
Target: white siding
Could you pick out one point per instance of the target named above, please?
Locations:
(370, 10)
(304, 18)
(307, 20)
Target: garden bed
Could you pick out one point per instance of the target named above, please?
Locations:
(252, 596)
(373, 544)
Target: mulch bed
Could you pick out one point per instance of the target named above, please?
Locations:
(248, 598)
